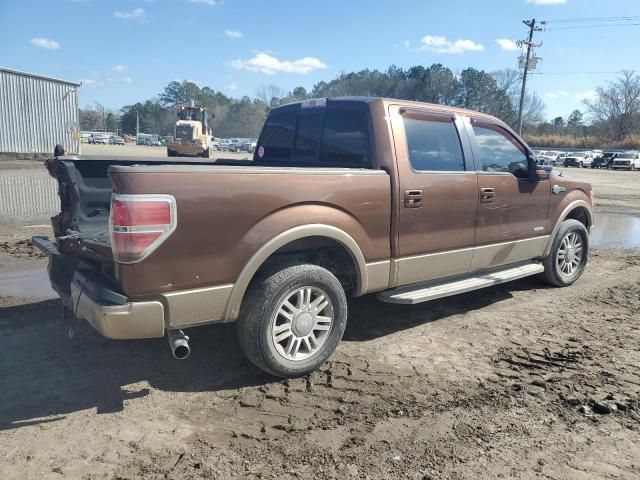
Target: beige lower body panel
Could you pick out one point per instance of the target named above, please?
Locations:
(421, 268)
(193, 307)
(432, 266)
(498, 254)
(378, 276)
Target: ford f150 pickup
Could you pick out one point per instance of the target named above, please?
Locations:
(344, 197)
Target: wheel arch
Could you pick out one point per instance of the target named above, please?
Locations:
(280, 243)
(579, 210)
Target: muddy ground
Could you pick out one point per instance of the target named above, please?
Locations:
(518, 381)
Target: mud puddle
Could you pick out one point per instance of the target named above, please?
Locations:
(619, 231)
(26, 283)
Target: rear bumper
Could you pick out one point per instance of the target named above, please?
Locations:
(130, 320)
(91, 297)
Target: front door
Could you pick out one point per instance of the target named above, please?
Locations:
(512, 209)
(437, 195)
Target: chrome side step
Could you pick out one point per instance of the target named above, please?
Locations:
(424, 292)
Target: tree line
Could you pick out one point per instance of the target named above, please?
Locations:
(613, 112)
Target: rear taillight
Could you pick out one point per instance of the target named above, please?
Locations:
(138, 224)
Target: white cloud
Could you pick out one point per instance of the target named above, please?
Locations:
(407, 44)
(233, 33)
(438, 44)
(232, 86)
(206, 2)
(547, 2)
(135, 14)
(119, 68)
(507, 44)
(126, 79)
(556, 94)
(45, 43)
(588, 95)
(265, 63)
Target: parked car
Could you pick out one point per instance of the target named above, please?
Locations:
(154, 142)
(116, 140)
(579, 159)
(224, 144)
(248, 145)
(604, 159)
(411, 201)
(99, 139)
(234, 145)
(143, 141)
(626, 161)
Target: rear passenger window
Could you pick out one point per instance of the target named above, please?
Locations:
(433, 144)
(345, 141)
(500, 152)
(277, 135)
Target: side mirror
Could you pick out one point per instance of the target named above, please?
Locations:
(538, 172)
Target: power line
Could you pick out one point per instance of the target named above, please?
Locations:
(593, 19)
(574, 73)
(592, 26)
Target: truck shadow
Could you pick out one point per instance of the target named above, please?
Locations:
(44, 373)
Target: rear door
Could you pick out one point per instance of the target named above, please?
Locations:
(438, 195)
(512, 209)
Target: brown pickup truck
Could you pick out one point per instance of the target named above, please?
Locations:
(343, 197)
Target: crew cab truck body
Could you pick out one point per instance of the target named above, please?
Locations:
(344, 197)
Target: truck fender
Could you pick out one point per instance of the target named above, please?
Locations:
(284, 238)
(563, 216)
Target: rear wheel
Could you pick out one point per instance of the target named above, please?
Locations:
(568, 256)
(292, 319)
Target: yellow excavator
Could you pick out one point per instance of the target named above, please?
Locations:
(193, 135)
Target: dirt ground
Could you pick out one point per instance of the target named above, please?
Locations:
(518, 381)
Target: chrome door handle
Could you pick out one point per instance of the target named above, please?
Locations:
(487, 194)
(413, 198)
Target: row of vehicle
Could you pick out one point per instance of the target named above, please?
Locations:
(105, 139)
(149, 142)
(235, 144)
(594, 158)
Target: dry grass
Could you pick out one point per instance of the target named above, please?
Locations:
(632, 142)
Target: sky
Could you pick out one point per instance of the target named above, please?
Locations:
(124, 51)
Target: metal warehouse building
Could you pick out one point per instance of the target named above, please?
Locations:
(36, 113)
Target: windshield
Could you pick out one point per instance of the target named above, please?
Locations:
(579, 155)
(627, 155)
(189, 113)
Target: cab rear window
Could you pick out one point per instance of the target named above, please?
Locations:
(336, 137)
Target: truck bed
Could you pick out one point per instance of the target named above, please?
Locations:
(225, 210)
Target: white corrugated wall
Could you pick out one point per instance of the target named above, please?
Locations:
(27, 193)
(36, 113)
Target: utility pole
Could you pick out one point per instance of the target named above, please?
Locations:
(529, 44)
(137, 125)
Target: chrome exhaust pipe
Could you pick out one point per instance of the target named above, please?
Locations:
(179, 344)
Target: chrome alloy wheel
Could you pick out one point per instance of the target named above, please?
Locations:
(301, 323)
(570, 254)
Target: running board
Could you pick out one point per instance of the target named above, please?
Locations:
(423, 293)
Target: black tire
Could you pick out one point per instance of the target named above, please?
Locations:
(259, 316)
(552, 270)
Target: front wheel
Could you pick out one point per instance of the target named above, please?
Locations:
(292, 319)
(568, 256)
